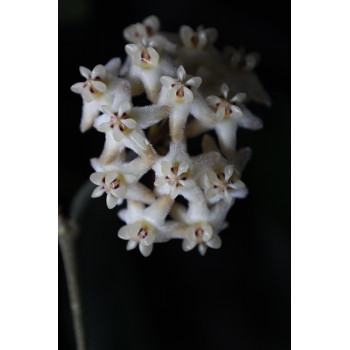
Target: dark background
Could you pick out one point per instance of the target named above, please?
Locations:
(237, 297)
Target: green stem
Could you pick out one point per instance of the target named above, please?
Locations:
(66, 237)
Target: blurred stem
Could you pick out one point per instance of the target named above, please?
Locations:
(67, 233)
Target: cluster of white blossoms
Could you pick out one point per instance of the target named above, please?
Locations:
(192, 90)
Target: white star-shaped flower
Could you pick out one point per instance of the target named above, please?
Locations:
(201, 224)
(147, 67)
(228, 116)
(222, 180)
(124, 128)
(100, 87)
(199, 39)
(180, 90)
(177, 172)
(243, 78)
(145, 226)
(150, 29)
(120, 181)
(182, 95)
(223, 183)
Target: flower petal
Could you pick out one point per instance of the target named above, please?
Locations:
(237, 185)
(131, 49)
(215, 242)
(119, 192)
(104, 127)
(134, 33)
(167, 81)
(166, 167)
(211, 192)
(85, 72)
(181, 73)
(77, 88)
(188, 183)
(98, 85)
(125, 232)
(149, 239)
(212, 176)
(194, 82)
(186, 33)
(188, 245)
(97, 192)
(129, 123)
(202, 249)
(108, 110)
(227, 197)
(154, 55)
(98, 71)
(160, 181)
(188, 95)
(208, 232)
(145, 250)
(213, 101)
(118, 135)
(236, 112)
(224, 90)
(87, 95)
(111, 201)
(172, 94)
(174, 191)
(132, 244)
(96, 178)
(238, 98)
(153, 23)
(124, 108)
(228, 171)
(183, 167)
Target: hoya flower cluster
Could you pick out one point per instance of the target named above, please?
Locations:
(192, 90)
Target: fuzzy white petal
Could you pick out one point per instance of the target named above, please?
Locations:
(194, 82)
(160, 181)
(124, 108)
(97, 192)
(213, 101)
(118, 135)
(188, 245)
(85, 72)
(111, 201)
(215, 242)
(202, 249)
(167, 81)
(146, 250)
(129, 123)
(228, 171)
(98, 85)
(181, 73)
(131, 245)
(87, 95)
(166, 167)
(104, 127)
(96, 178)
(77, 88)
(149, 239)
(98, 71)
(224, 90)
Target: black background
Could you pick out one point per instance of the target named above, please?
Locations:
(237, 297)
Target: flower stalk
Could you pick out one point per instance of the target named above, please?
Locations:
(67, 234)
